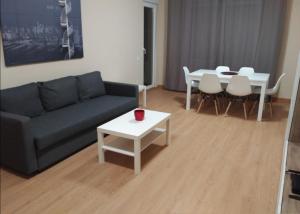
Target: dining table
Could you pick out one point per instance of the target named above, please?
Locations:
(256, 79)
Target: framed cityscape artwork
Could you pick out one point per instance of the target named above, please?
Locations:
(40, 31)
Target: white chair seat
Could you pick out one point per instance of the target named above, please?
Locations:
(246, 71)
(213, 91)
(257, 91)
(239, 86)
(195, 84)
(210, 86)
(221, 69)
(271, 91)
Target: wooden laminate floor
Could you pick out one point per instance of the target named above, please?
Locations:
(214, 165)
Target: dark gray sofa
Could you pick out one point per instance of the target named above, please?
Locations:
(43, 123)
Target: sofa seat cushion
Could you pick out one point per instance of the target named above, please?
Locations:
(55, 126)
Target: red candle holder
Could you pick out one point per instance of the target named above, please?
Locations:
(139, 114)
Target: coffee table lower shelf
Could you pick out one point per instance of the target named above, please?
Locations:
(129, 137)
(126, 146)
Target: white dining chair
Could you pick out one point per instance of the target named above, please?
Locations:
(210, 87)
(270, 92)
(220, 69)
(194, 84)
(246, 71)
(239, 88)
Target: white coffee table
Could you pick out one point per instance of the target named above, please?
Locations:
(134, 136)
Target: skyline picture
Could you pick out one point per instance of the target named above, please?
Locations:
(41, 31)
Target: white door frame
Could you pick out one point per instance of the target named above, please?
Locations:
(286, 141)
(153, 5)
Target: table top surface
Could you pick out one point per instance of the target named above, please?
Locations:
(261, 77)
(126, 125)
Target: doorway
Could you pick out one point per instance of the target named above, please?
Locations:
(149, 44)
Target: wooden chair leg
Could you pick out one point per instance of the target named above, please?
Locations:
(219, 103)
(227, 109)
(245, 110)
(270, 109)
(200, 105)
(199, 97)
(253, 107)
(216, 106)
(225, 100)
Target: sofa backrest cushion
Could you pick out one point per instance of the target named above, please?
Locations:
(58, 93)
(23, 100)
(90, 85)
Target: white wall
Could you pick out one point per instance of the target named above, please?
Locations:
(290, 48)
(162, 19)
(112, 40)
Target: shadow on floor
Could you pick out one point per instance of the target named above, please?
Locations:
(280, 111)
(128, 162)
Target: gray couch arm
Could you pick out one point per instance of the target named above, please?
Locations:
(122, 89)
(17, 145)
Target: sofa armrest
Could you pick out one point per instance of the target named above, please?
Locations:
(122, 89)
(17, 144)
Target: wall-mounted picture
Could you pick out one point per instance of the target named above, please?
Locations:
(41, 31)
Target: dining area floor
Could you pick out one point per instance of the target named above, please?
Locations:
(214, 164)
